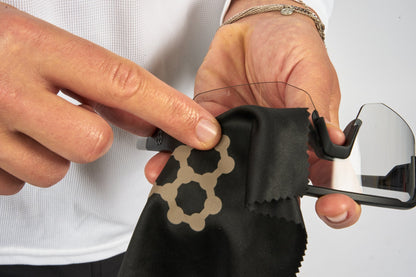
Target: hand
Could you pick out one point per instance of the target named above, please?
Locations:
(272, 47)
(40, 133)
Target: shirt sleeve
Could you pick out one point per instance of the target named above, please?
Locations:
(322, 7)
(224, 11)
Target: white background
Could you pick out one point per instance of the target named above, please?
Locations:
(372, 45)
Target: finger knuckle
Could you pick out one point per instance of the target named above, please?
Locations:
(97, 142)
(183, 111)
(124, 79)
(180, 118)
(19, 34)
(11, 98)
(9, 23)
(48, 173)
(16, 28)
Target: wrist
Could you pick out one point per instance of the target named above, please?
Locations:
(263, 10)
(237, 6)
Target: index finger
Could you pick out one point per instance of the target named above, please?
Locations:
(101, 76)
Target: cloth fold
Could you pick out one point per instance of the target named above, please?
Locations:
(230, 211)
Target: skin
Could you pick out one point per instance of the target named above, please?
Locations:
(40, 133)
(272, 47)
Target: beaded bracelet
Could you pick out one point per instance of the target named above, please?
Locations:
(284, 10)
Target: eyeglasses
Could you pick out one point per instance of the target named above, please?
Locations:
(375, 166)
(380, 170)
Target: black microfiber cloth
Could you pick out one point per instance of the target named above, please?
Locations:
(230, 211)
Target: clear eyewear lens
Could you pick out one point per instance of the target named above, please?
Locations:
(382, 159)
(380, 169)
(386, 145)
(264, 94)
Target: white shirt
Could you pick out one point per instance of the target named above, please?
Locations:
(91, 214)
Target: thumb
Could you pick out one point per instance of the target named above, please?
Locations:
(336, 135)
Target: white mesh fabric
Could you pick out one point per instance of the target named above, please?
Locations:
(91, 214)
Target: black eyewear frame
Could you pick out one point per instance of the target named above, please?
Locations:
(400, 178)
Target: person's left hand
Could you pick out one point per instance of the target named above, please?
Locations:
(272, 47)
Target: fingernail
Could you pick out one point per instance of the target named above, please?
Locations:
(206, 130)
(338, 218)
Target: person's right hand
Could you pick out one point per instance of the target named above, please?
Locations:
(40, 132)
